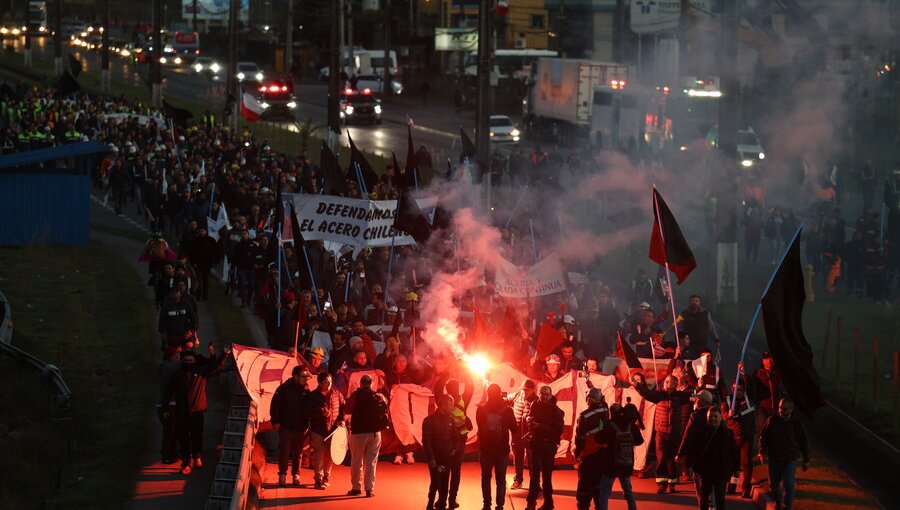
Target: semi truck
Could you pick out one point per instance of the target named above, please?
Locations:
(560, 98)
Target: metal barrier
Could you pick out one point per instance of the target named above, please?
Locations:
(231, 485)
(48, 371)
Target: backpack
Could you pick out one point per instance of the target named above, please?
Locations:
(492, 425)
(622, 446)
(382, 420)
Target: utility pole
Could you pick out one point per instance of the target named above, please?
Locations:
(485, 68)
(232, 99)
(29, 28)
(289, 41)
(619, 33)
(155, 65)
(725, 178)
(334, 76)
(57, 38)
(386, 61)
(347, 27)
(104, 51)
(194, 16)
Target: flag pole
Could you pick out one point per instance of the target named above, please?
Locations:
(668, 273)
(518, 203)
(756, 315)
(387, 284)
(533, 245)
(347, 286)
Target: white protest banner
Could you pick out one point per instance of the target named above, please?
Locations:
(351, 221)
(262, 371)
(118, 118)
(409, 406)
(542, 279)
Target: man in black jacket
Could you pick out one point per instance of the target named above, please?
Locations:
(326, 415)
(204, 255)
(245, 253)
(290, 413)
(368, 411)
(545, 430)
(781, 442)
(710, 451)
(176, 318)
(741, 419)
(495, 421)
(588, 448)
(667, 427)
(439, 445)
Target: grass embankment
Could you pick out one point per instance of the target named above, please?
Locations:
(281, 138)
(84, 310)
(824, 487)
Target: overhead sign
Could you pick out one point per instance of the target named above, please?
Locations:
(654, 16)
(213, 10)
(455, 39)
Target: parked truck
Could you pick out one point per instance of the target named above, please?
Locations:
(560, 97)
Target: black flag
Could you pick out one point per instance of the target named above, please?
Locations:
(359, 165)
(782, 309)
(335, 183)
(74, 65)
(411, 171)
(299, 250)
(468, 149)
(673, 248)
(334, 120)
(409, 217)
(67, 84)
(178, 116)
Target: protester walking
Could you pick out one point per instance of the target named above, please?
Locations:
(495, 421)
(781, 442)
(545, 428)
(667, 427)
(368, 410)
(291, 415)
(439, 445)
(326, 414)
(589, 448)
(710, 451)
(521, 410)
(166, 407)
(622, 436)
(741, 419)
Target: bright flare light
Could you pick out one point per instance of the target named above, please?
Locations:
(478, 364)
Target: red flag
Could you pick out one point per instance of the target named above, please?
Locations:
(548, 340)
(667, 243)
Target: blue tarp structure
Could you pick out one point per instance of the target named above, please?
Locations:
(45, 195)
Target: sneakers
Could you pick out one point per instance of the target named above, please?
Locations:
(319, 486)
(198, 463)
(409, 458)
(185, 469)
(325, 482)
(296, 479)
(672, 489)
(398, 459)
(370, 494)
(354, 492)
(661, 488)
(282, 479)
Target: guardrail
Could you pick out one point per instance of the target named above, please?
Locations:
(231, 485)
(50, 372)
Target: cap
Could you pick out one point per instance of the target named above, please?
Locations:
(552, 359)
(767, 355)
(288, 295)
(643, 305)
(317, 352)
(393, 309)
(568, 319)
(706, 396)
(264, 190)
(594, 394)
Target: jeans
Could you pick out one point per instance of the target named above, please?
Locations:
(711, 485)
(666, 448)
(605, 491)
(541, 464)
(290, 442)
(785, 472)
(203, 282)
(588, 487)
(169, 448)
(440, 484)
(322, 462)
(496, 463)
(745, 454)
(245, 283)
(364, 455)
(190, 435)
(456, 470)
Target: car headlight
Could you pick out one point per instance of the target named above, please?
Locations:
(162, 60)
(259, 76)
(378, 109)
(214, 67)
(515, 133)
(747, 163)
(177, 60)
(4, 30)
(125, 53)
(515, 138)
(349, 110)
(264, 105)
(198, 67)
(762, 155)
(491, 134)
(292, 105)
(240, 76)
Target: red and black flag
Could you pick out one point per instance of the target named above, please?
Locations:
(625, 353)
(360, 169)
(782, 309)
(334, 181)
(667, 244)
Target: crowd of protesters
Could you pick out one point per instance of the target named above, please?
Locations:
(212, 191)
